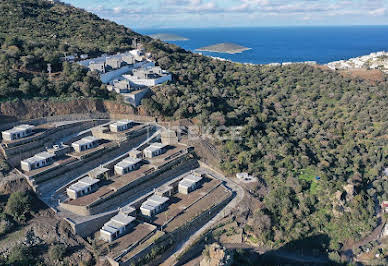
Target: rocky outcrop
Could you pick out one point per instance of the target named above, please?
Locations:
(216, 255)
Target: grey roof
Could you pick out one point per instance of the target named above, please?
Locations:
(122, 123)
(18, 128)
(127, 162)
(155, 147)
(186, 183)
(84, 183)
(117, 222)
(39, 157)
(157, 199)
(123, 219)
(85, 140)
(153, 202)
(193, 178)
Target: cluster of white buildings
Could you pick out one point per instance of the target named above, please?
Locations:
(129, 74)
(311, 63)
(377, 60)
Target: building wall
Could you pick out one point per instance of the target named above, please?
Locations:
(92, 225)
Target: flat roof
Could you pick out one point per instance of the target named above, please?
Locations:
(122, 122)
(155, 147)
(158, 145)
(186, 183)
(127, 162)
(18, 128)
(123, 219)
(85, 140)
(157, 199)
(39, 157)
(84, 183)
(147, 207)
(193, 178)
(153, 202)
(99, 170)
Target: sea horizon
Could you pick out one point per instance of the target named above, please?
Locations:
(279, 44)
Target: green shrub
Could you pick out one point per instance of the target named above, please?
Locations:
(20, 255)
(57, 252)
(6, 224)
(19, 205)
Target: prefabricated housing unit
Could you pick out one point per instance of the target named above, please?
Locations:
(120, 126)
(117, 226)
(83, 187)
(127, 165)
(155, 149)
(153, 205)
(189, 184)
(17, 132)
(37, 161)
(85, 144)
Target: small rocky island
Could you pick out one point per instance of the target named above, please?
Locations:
(228, 48)
(168, 37)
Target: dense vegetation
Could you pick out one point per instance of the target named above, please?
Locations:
(36, 33)
(316, 139)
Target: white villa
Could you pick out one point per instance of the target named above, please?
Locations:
(189, 184)
(127, 165)
(120, 126)
(150, 76)
(17, 132)
(38, 161)
(154, 205)
(85, 144)
(117, 226)
(83, 187)
(155, 149)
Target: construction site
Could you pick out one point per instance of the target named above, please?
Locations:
(131, 186)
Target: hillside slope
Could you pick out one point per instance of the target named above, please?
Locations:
(318, 141)
(35, 33)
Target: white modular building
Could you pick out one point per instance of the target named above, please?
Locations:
(148, 76)
(155, 149)
(38, 161)
(85, 144)
(154, 205)
(17, 132)
(117, 226)
(120, 125)
(83, 187)
(127, 165)
(189, 184)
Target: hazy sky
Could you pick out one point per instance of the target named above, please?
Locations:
(229, 13)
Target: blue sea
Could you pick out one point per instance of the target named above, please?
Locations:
(287, 44)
